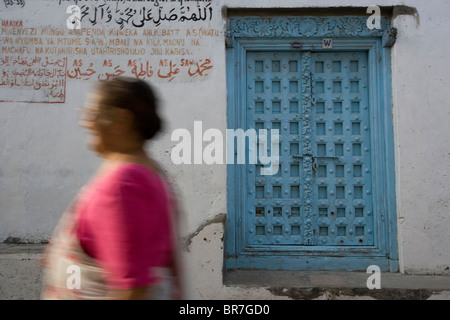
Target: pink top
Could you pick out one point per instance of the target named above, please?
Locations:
(124, 223)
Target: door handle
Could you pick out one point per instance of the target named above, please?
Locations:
(314, 158)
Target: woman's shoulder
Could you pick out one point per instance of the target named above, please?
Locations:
(132, 174)
(136, 173)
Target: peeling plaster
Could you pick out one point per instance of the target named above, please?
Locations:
(406, 10)
(220, 218)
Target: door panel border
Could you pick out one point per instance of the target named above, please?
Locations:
(250, 34)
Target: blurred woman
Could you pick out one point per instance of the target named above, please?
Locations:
(119, 235)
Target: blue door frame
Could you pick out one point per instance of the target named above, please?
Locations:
(302, 36)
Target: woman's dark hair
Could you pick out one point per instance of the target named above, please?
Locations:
(137, 96)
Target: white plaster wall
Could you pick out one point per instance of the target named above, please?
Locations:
(44, 160)
(421, 72)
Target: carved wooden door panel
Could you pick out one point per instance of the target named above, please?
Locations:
(340, 127)
(274, 102)
(331, 204)
(320, 195)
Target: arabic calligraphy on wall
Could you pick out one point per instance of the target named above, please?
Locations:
(127, 15)
(161, 41)
(40, 79)
(142, 69)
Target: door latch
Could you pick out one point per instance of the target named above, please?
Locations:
(314, 158)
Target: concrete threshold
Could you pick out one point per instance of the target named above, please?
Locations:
(308, 285)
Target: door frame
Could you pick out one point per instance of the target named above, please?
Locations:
(278, 34)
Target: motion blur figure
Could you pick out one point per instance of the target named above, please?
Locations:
(119, 235)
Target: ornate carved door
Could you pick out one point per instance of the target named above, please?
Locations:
(321, 194)
(322, 209)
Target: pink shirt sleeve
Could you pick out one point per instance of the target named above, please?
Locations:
(125, 225)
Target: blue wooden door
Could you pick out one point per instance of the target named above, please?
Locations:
(273, 97)
(341, 151)
(321, 195)
(331, 204)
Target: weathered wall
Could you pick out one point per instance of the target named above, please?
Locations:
(46, 71)
(420, 77)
